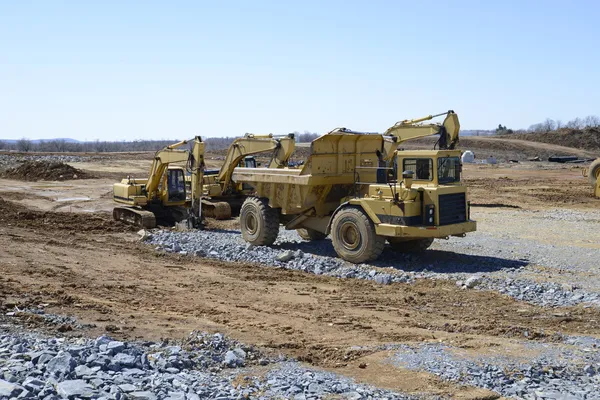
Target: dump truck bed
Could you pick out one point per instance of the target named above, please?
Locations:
(326, 178)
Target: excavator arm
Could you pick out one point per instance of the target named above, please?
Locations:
(162, 159)
(413, 129)
(250, 144)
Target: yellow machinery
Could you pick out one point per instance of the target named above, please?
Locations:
(363, 191)
(593, 172)
(163, 194)
(218, 186)
(172, 192)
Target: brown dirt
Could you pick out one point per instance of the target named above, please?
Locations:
(586, 139)
(529, 185)
(89, 268)
(15, 214)
(45, 170)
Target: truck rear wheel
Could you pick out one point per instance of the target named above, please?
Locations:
(310, 234)
(259, 223)
(354, 238)
(410, 246)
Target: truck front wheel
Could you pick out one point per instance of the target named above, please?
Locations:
(259, 223)
(354, 238)
(410, 246)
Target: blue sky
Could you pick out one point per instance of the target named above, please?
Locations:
(125, 70)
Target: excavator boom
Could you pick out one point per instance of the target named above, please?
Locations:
(250, 144)
(413, 129)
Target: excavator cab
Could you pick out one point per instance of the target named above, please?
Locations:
(175, 185)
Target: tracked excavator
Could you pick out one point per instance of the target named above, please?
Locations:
(593, 173)
(163, 195)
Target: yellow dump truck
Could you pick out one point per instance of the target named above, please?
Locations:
(358, 188)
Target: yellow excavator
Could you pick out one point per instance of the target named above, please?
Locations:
(163, 195)
(173, 193)
(218, 186)
(593, 172)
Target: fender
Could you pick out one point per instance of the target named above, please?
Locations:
(357, 203)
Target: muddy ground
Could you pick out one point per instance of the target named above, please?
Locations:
(60, 248)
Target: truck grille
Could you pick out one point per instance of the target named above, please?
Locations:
(453, 208)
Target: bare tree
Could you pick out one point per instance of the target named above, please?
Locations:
(576, 123)
(24, 144)
(592, 121)
(548, 125)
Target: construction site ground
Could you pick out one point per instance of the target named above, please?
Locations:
(60, 248)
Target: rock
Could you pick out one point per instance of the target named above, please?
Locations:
(127, 388)
(175, 248)
(472, 282)
(383, 279)
(84, 370)
(232, 359)
(75, 389)
(285, 256)
(33, 384)
(143, 234)
(61, 364)
(115, 347)
(141, 396)
(8, 389)
(124, 359)
(44, 358)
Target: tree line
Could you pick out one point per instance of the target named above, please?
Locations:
(549, 125)
(63, 146)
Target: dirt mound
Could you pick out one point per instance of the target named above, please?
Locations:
(45, 170)
(18, 215)
(586, 139)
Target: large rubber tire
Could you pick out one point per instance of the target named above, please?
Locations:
(310, 234)
(594, 172)
(353, 236)
(259, 223)
(410, 246)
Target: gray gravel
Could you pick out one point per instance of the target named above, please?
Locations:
(203, 366)
(570, 370)
(9, 160)
(498, 262)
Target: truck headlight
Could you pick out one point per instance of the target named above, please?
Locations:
(429, 214)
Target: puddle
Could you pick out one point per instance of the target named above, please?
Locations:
(74, 199)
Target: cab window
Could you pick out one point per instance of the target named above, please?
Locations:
(176, 184)
(422, 168)
(448, 169)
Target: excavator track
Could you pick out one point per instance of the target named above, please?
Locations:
(217, 210)
(135, 216)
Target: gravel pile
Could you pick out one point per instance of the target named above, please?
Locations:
(62, 322)
(289, 251)
(202, 366)
(547, 294)
(570, 371)
(498, 267)
(8, 160)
